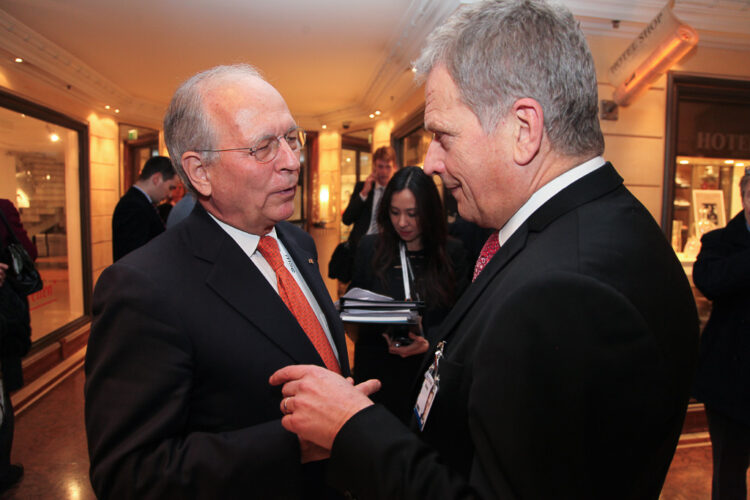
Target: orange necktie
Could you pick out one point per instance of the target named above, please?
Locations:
(297, 303)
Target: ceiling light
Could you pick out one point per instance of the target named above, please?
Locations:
(18, 60)
(117, 110)
(324, 126)
(729, 162)
(54, 137)
(107, 106)
(372, 115)
(684, 162)
(377, 112)
(739, 164)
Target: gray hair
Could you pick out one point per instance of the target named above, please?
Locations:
(187, 127)
(500, 51)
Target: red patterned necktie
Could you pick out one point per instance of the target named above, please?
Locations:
(490, 248)
(297, 303)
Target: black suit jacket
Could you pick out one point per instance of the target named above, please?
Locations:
(358, 212)
(722, 273)
(185, 336)
(134, 223)
(566, 372)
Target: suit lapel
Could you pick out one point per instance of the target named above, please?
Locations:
(584, 190)
(235, 278)
(473, 293)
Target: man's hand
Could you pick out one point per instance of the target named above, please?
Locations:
(369, 182)
(317, 402)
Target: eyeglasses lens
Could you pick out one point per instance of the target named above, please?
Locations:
(267, 150)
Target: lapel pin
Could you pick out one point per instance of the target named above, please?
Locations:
(310, 261)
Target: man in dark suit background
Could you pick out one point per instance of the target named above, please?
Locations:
(564, 369)
(135, 220)
(363, 205)
(188, 328)
(722, 383)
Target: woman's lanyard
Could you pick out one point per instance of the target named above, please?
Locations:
(406, 271)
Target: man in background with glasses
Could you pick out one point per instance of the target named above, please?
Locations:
(188, 329)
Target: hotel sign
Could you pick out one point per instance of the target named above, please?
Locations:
(713, 129)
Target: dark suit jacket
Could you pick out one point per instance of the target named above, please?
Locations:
(134, 223)
(358, 212)
(566, 372)
(722, 273)
(185, 336)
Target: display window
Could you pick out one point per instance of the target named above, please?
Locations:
(42, 171)
(707, 152)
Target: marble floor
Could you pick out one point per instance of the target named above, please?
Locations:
(51, 444)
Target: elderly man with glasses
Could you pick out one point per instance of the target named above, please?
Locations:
(188, 328)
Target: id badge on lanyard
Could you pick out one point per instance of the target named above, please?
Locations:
(430, 388)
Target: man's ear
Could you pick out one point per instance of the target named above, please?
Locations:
(528, 117)
(156, 179)
(197, 172)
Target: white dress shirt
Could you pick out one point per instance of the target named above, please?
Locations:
(249, 244)
(543, 194)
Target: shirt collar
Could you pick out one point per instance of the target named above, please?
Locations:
(543, 194)
(247, 242)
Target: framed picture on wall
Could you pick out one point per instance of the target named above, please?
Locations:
(708, 205)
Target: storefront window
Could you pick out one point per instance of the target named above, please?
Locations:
(40, 166)
(708, 148)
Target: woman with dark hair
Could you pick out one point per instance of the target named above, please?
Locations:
(411, 217)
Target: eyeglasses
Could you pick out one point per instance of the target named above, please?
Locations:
(267, 149)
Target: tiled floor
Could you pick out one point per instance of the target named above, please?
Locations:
(51, 443)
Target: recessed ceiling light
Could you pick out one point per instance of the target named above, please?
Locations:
(377, 112)
(18, 60)
(107, 106)
(372, 115)
(324, 127)
(117, 110)
(54, 137)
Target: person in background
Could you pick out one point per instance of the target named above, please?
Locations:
(173, 197)
(722, 273)
(135, 220)
(564, 369)
(410, 215)
(363, 205)
(187, 329)
(181, 210)
(10, 362)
